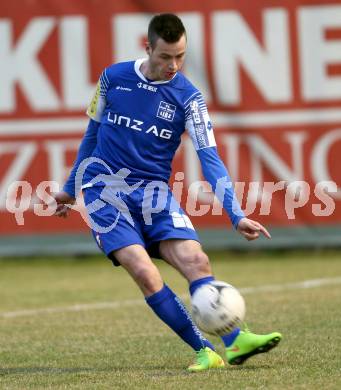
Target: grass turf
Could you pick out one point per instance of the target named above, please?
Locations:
(128, 347)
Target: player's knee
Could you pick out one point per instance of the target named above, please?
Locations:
(149, 279)
(198, 262)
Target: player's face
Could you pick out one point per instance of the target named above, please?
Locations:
(165, 59)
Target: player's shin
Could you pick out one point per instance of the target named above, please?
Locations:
(169, 308)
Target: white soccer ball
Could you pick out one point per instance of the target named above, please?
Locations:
(217, 308)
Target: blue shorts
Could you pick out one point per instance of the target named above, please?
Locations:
(143, 217)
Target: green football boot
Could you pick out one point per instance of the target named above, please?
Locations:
(205, 360)
(248, 344)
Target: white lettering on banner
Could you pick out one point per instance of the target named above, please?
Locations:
(269, 188)
(268, 64)
(264, 155)
(24, 153)
(195, 66)
(19, 207)
(253, 194)
(321, 193)
(20, 65)
(231, 142)
(56, 151)
(75, 68)
(269, 68)
(296, 196)
(194, 190)
(193, 171)
(41, 193)
(316, 52)
(319, 158)
(128, 46)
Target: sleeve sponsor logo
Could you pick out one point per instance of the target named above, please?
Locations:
(92, 109)
(199, 125)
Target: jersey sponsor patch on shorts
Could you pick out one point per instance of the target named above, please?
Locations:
(181, 221)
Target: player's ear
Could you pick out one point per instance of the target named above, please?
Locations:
(148, 48)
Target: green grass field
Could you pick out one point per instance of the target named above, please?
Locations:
(112, 340)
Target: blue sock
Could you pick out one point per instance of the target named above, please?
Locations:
(199, 282)
(169, 308)
(229, 338)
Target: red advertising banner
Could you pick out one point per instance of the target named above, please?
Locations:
(270, 73)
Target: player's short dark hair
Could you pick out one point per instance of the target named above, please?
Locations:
(169, 27)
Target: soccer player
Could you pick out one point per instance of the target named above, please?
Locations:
(137, 116)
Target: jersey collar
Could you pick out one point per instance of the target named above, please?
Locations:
(137, 67)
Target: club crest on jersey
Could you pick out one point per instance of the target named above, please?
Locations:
(166, 111)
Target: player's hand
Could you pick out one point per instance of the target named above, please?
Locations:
(64, 201)
(251, 229)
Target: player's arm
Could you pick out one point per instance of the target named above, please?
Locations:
(85, 150)
(68, 195)
(217, 175)
(201, 132)
(70, 190)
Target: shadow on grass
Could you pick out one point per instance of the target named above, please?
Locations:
(252, 367)
(154, 371)
(47, 370)
(74, 370)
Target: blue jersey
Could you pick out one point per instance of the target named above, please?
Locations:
(142, 121)
(136, 125)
